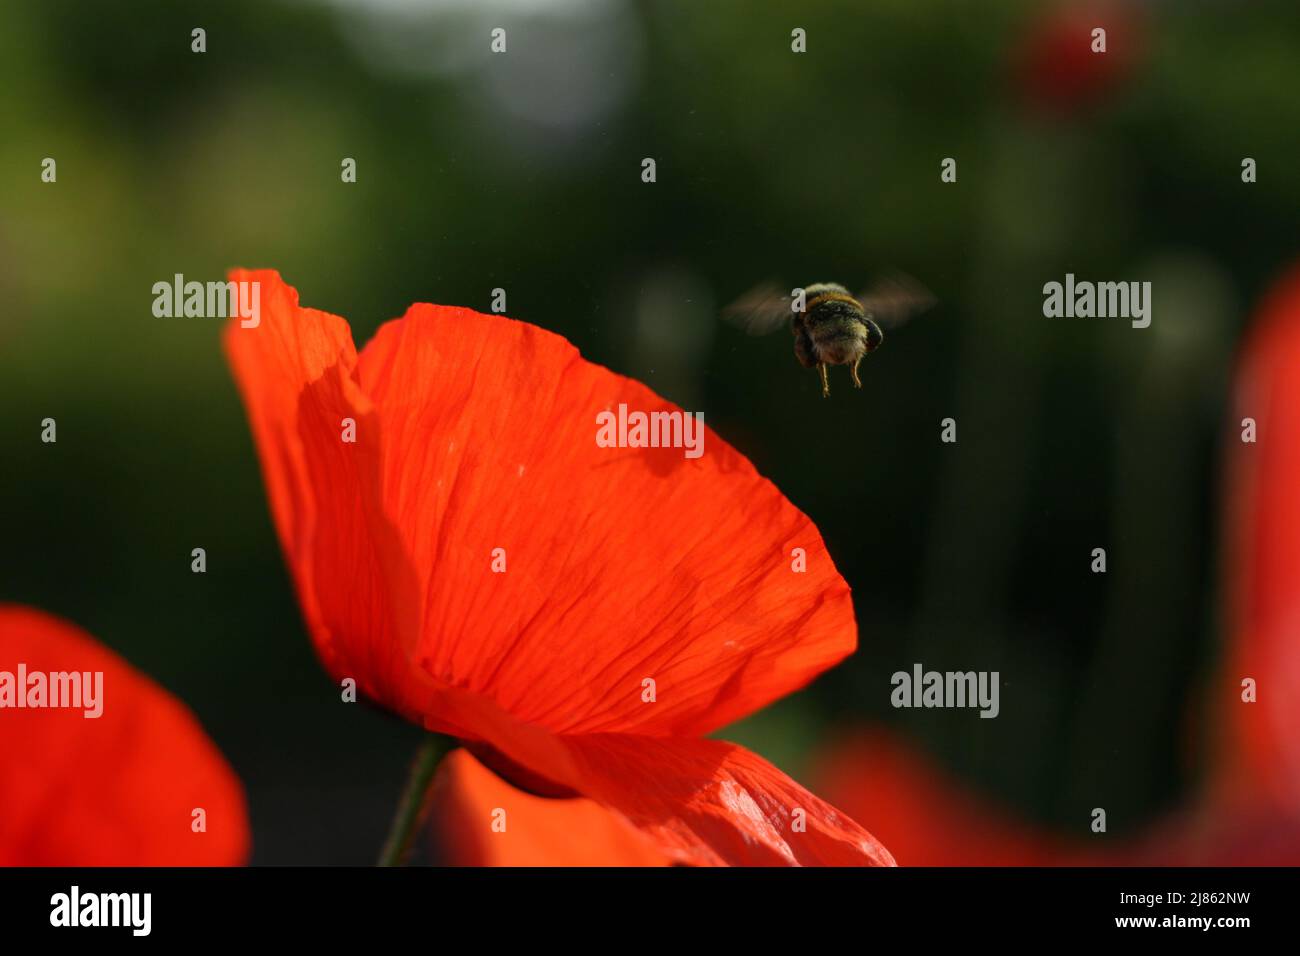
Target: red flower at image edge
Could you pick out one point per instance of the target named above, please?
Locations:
(474, 443)
(1260, 752)
(119, 789)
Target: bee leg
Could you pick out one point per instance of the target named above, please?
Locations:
(857, 382)
(826, 385)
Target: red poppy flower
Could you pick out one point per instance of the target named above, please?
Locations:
(1249, 814)
(578, 615)
(1055, 67)
(117, 789)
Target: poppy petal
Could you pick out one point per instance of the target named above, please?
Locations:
(296, 371)
(709, 802)
(1263, 751)
(621, 574)
(702, 802)
(483, 821)
(119, 789)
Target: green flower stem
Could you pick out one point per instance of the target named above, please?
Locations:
(415, 799)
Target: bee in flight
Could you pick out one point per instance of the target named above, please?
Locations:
(830, 325)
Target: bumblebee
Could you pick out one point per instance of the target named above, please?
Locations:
(831, 326)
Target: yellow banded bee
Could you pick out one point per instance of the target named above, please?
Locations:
(830, 325)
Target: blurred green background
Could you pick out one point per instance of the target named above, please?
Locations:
(522, 171)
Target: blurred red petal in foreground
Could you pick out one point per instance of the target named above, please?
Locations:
(467, 552)
(482, 820)
(114, 790)
(924, 815)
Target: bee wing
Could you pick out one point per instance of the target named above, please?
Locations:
(895, 298)
(763, 309)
